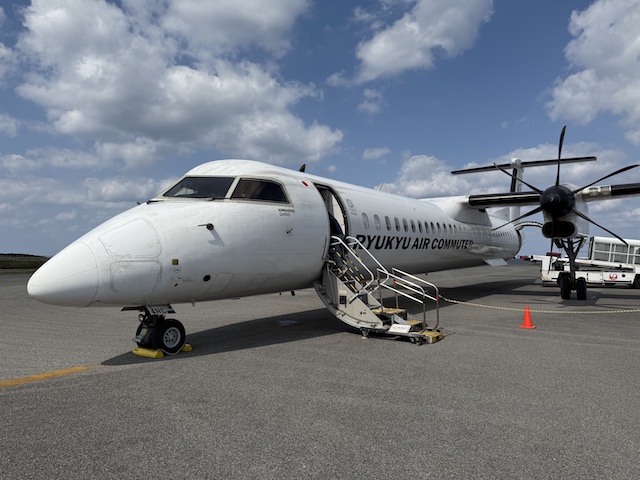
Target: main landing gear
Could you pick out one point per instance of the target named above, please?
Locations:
(156, 332)
(568, 280)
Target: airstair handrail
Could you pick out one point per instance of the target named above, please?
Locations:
(336, 240)
(416, 286)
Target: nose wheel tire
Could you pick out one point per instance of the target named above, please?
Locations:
(168, 336)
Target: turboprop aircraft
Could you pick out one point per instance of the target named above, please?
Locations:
(234, 228)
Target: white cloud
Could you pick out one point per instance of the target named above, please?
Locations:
(66, 216)
(372, 102)
(6, 54)
(121, 190)
(375, 153)
(337, 79)
(223, 26)
(137, 153)
(38, 158)
(125, 80)
(425, 176)
(429, 29)
(604, 53)
(8, 125)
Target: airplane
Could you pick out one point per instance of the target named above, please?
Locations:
(233, 228)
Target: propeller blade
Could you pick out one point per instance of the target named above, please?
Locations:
(560, 154)
(580, 214)
(517, 179)
(528, 214)
(628, 167)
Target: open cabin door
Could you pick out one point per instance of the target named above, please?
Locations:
(338, 219)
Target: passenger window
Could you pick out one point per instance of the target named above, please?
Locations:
(200, 187)
(413, 226)
(387, 221)
(426, 227)
(444, 229)
(365, 221)
(397, 222)
(376, 220)
(259, 190)
(405, 224)
(420, 226)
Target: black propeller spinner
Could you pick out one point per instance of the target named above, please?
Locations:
(558, 201)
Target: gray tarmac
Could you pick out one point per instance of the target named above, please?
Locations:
(276, 388)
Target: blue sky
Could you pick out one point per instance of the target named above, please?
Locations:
(103, 104)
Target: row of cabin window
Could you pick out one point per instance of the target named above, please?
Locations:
(429, 227)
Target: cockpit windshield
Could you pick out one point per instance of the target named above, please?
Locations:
(200, 187)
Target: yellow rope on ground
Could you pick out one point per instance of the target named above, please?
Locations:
(513, 309)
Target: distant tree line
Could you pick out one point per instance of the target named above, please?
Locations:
(20, 261)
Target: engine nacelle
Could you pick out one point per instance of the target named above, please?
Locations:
(567, 226)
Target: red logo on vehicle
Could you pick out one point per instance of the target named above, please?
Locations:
(613, 276)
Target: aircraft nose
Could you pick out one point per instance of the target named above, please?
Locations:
(70, 278)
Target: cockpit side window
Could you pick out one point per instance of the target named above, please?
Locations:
(248, 189)
(200, 187)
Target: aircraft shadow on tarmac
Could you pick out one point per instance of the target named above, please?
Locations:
(251, 334)
(298, 326)
(319, 322)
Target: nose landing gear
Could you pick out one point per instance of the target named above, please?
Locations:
(156, 333)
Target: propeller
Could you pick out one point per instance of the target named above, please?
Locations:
(558, 200)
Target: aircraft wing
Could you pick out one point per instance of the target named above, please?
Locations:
(507, 199)
(589, 194)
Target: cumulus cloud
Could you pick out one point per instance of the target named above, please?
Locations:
(6, 54)
(39, 158)
(375, 153)
(137, 76)
(431, 28)
(372, 102)
(121, 190)
(422, 176)
(8, 125)
(426, 176)
(110, 195)
(604, 56)
(228, 25)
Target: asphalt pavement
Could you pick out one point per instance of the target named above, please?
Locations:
(276, 388)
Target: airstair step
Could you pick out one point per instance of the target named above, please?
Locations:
(389, 311)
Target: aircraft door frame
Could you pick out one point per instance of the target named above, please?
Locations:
(335, 208)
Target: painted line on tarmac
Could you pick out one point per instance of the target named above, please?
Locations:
(42, 376)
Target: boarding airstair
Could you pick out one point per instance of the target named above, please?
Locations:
(356, 294)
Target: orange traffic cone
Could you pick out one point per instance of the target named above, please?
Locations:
(527, 319)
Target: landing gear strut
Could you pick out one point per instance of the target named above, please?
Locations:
(157, 332)
(568, 280)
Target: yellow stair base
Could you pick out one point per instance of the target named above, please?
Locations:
(432, 337)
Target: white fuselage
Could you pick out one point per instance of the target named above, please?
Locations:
(176, 249)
